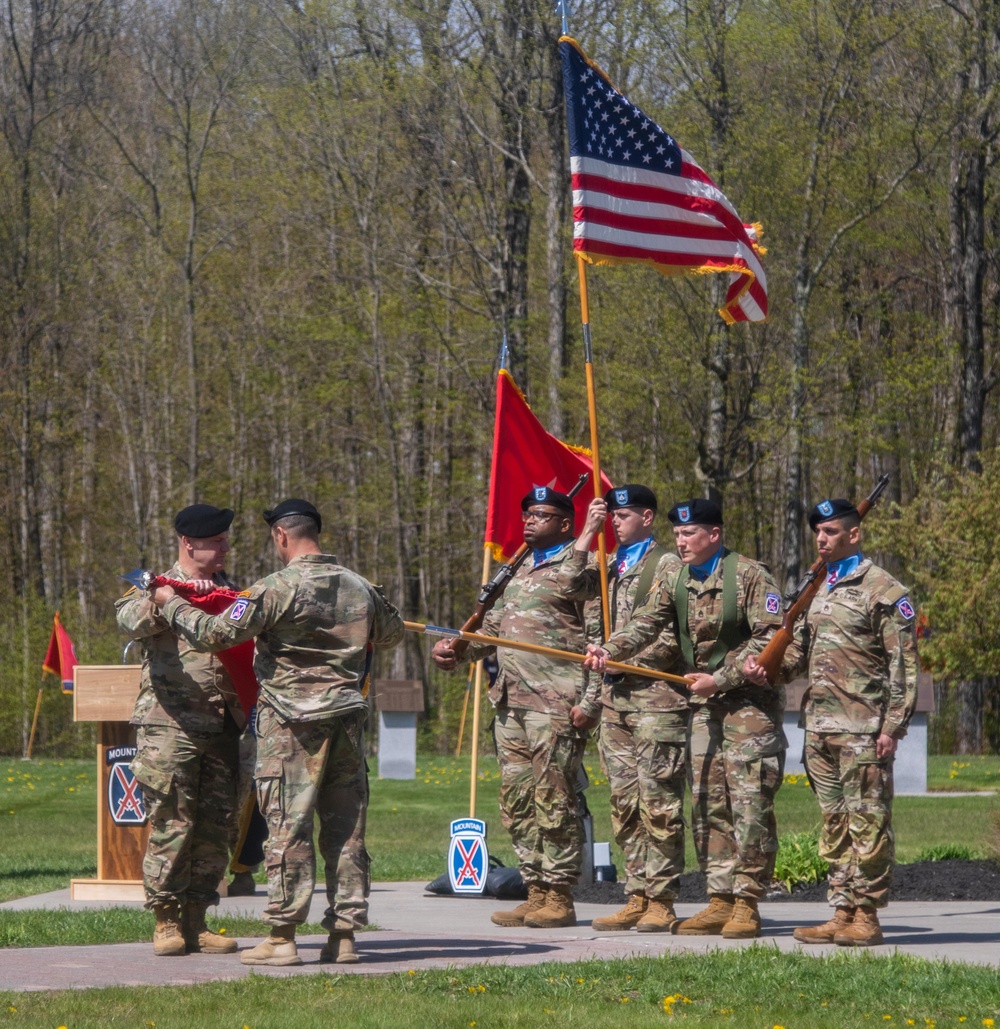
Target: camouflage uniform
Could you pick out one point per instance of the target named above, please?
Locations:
(861, 647)
(539, 749)
(643, 733)
(313, 622)
(736, 742)
(189, 719)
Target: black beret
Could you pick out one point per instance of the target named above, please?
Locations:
(287, 508)
(200, 521)
(630, 495)
(547, 495)
(827, 509)
(696, 512)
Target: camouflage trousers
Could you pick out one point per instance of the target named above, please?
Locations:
(189, 785)
(733, 784)
(540, 758)
(643, 757)
(307, 768)
(854, 789)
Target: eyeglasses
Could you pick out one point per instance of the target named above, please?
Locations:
(539, 516)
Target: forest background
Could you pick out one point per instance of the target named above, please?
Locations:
(253, 250)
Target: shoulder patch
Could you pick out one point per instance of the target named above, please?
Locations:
(772, 603)
(905, 608)
(245, 593)
(239, 609)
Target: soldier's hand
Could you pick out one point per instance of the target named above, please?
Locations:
(580, 719)
(885, 746)
(443, 655)
(754, 672)
(597, 658)
(162, 594)
(597, 514)
(702, 684)
(202, 585)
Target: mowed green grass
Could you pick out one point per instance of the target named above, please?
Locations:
(48, 817)
(752, 988)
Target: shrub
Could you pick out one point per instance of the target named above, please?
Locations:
(798, 860)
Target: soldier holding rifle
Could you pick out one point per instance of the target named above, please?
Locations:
(858, 640)
(723, 607)
(643, 721)
(544, 708)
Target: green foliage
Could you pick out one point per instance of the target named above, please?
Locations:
(949, 852)
(798, 860)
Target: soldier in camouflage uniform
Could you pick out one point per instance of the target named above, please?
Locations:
(644, 722)
(724, 607)
(544, 708)
(314, 623)
(858, 638)
(189, 720)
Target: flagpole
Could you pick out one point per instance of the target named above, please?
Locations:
(477, 687)
(588, 353)
(465, 708)
(34, 724)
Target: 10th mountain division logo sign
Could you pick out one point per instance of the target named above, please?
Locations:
(468, 860)
(125, 801)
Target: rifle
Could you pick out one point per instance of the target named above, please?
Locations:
(492, 591)
(798, 600)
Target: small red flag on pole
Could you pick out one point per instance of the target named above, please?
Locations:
(60, 658)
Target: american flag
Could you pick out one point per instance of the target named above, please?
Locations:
(638, 196)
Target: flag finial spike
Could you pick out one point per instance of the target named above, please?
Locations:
(563, 7)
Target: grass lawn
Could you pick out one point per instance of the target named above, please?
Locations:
(755, 988)
(48, 834)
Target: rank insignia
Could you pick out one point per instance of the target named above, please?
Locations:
(238, 610)
(825, 508)
(468, 860)
(125, 800)
(905, 608)
(684, 513)
(772, 603)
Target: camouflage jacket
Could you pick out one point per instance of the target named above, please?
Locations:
(633, 692)
(178, 686)
(542, 604)
(313, 621)
(860, 643)
(758, 614)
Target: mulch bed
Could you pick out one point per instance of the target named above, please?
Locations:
(923, 880)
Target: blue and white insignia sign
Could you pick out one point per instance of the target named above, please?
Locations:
(540, 492)
(621, 496)
(468, 859)
(238, 610)
(684, 513)
(905, 608)
(825, 508)
(125, 800)
(772, 603)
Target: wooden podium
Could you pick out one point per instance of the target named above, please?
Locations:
(106, 694)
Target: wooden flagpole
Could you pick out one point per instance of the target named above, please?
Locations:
(465, 708)
(588, 353)
(477, 695)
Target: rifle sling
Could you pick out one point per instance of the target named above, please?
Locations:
(730, 632)
(650, 560)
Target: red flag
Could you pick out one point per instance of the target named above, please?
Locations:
(638, 196)
(524, 456)
(60, 658)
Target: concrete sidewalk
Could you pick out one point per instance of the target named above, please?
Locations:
(417, 930)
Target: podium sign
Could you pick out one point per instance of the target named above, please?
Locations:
(106, 694)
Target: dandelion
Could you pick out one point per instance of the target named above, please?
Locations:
(988, 1023)
(13, 1011)
(623, 1000)
(412, 971)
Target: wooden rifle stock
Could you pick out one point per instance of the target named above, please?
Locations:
(492, 591)
(797, 602)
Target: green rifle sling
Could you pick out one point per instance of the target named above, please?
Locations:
(652, 559)
(730, 633)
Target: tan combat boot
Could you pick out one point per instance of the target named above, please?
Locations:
(709, 921)
(515, 916)
(863, 931)
(339, 949)
(623, 920)
(745, 923)
(198, 937)
(842, 917)
(168, 937)
(558, 910)
(659, 918)
(278, 949)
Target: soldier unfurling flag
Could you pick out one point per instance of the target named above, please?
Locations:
(638, 196)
